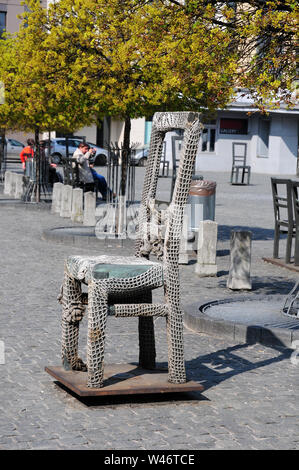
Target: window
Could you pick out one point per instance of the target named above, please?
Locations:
(208, 137)
(2, 22)
(263, 137)
(15, 143)
(233, 126)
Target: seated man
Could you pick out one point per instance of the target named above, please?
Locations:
(82, 156)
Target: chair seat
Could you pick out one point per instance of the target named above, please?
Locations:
(123, 268)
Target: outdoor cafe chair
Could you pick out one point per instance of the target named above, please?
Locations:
(124, 285)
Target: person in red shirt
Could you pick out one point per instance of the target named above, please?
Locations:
(27, 152)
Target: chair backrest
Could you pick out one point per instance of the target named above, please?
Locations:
(160, 231)
(239, 153)
(282, 199)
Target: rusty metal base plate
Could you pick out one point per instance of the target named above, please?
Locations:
(121, 379)
(282, 264)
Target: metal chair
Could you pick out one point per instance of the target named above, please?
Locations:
(295, 193)
(239, 164)
(284, 215)
(123, 285)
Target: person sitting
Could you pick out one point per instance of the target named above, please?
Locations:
(82, 155)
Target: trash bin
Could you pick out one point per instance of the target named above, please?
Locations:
(202, 198)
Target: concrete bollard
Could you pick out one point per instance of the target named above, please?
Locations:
(206, 249)
(66, 201)
(13, 184)
(19, 190)
(240, 260)
(7, 182)
(56, 198)
(89, 216)
(77, 205)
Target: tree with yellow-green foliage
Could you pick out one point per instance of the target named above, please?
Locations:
(262, 37)
(83, 59)
(33, 101)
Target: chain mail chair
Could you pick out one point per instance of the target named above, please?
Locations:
(124, 284)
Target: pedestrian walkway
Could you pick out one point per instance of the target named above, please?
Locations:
(250, 397)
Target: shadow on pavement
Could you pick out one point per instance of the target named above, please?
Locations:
(258, 233)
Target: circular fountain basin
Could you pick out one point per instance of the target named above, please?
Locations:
(249, 319)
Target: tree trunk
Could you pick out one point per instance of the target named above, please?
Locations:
(2, 147)
(121, 206)
(125, 156)
(37, 162)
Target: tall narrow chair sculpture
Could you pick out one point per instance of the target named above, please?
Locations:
(283, 215)
(295, 194)
(125, 284)
(239, 164)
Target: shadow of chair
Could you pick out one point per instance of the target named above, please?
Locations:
(239, 167)
(283, 215)
(124, 285)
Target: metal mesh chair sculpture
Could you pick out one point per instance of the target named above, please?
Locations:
(126, 283)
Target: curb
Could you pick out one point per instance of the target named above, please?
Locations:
(56, 235)
(16, 203)
(199, 322)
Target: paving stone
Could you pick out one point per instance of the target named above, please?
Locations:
(251, 391)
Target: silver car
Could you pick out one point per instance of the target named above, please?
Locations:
(58, 150)
(13, 148)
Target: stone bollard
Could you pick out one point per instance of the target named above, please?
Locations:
(206, 249)
(13, 184)
(240, 260)
(77, 205)
(89, 216)
(66, 201)
(19, 190)
(7, 182)
(56, 198)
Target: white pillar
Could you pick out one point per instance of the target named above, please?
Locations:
(89, 217)
(56, 198)
(19, 189)
(207, 248)
(66, 201)
(77, 205)
(13, 184)
(7, 182)
(240, 260)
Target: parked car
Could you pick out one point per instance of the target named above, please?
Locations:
(14, 148)
(58, 150)
(139, 156)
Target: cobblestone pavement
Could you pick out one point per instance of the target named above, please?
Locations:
(250, 399)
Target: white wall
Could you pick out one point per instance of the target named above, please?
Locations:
(282, 150)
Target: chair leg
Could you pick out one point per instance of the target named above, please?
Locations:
(97, 319)
(146, 330)
(289, 246)
(296, 255)
(276, 242)
(175, 340)
(72, 313)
